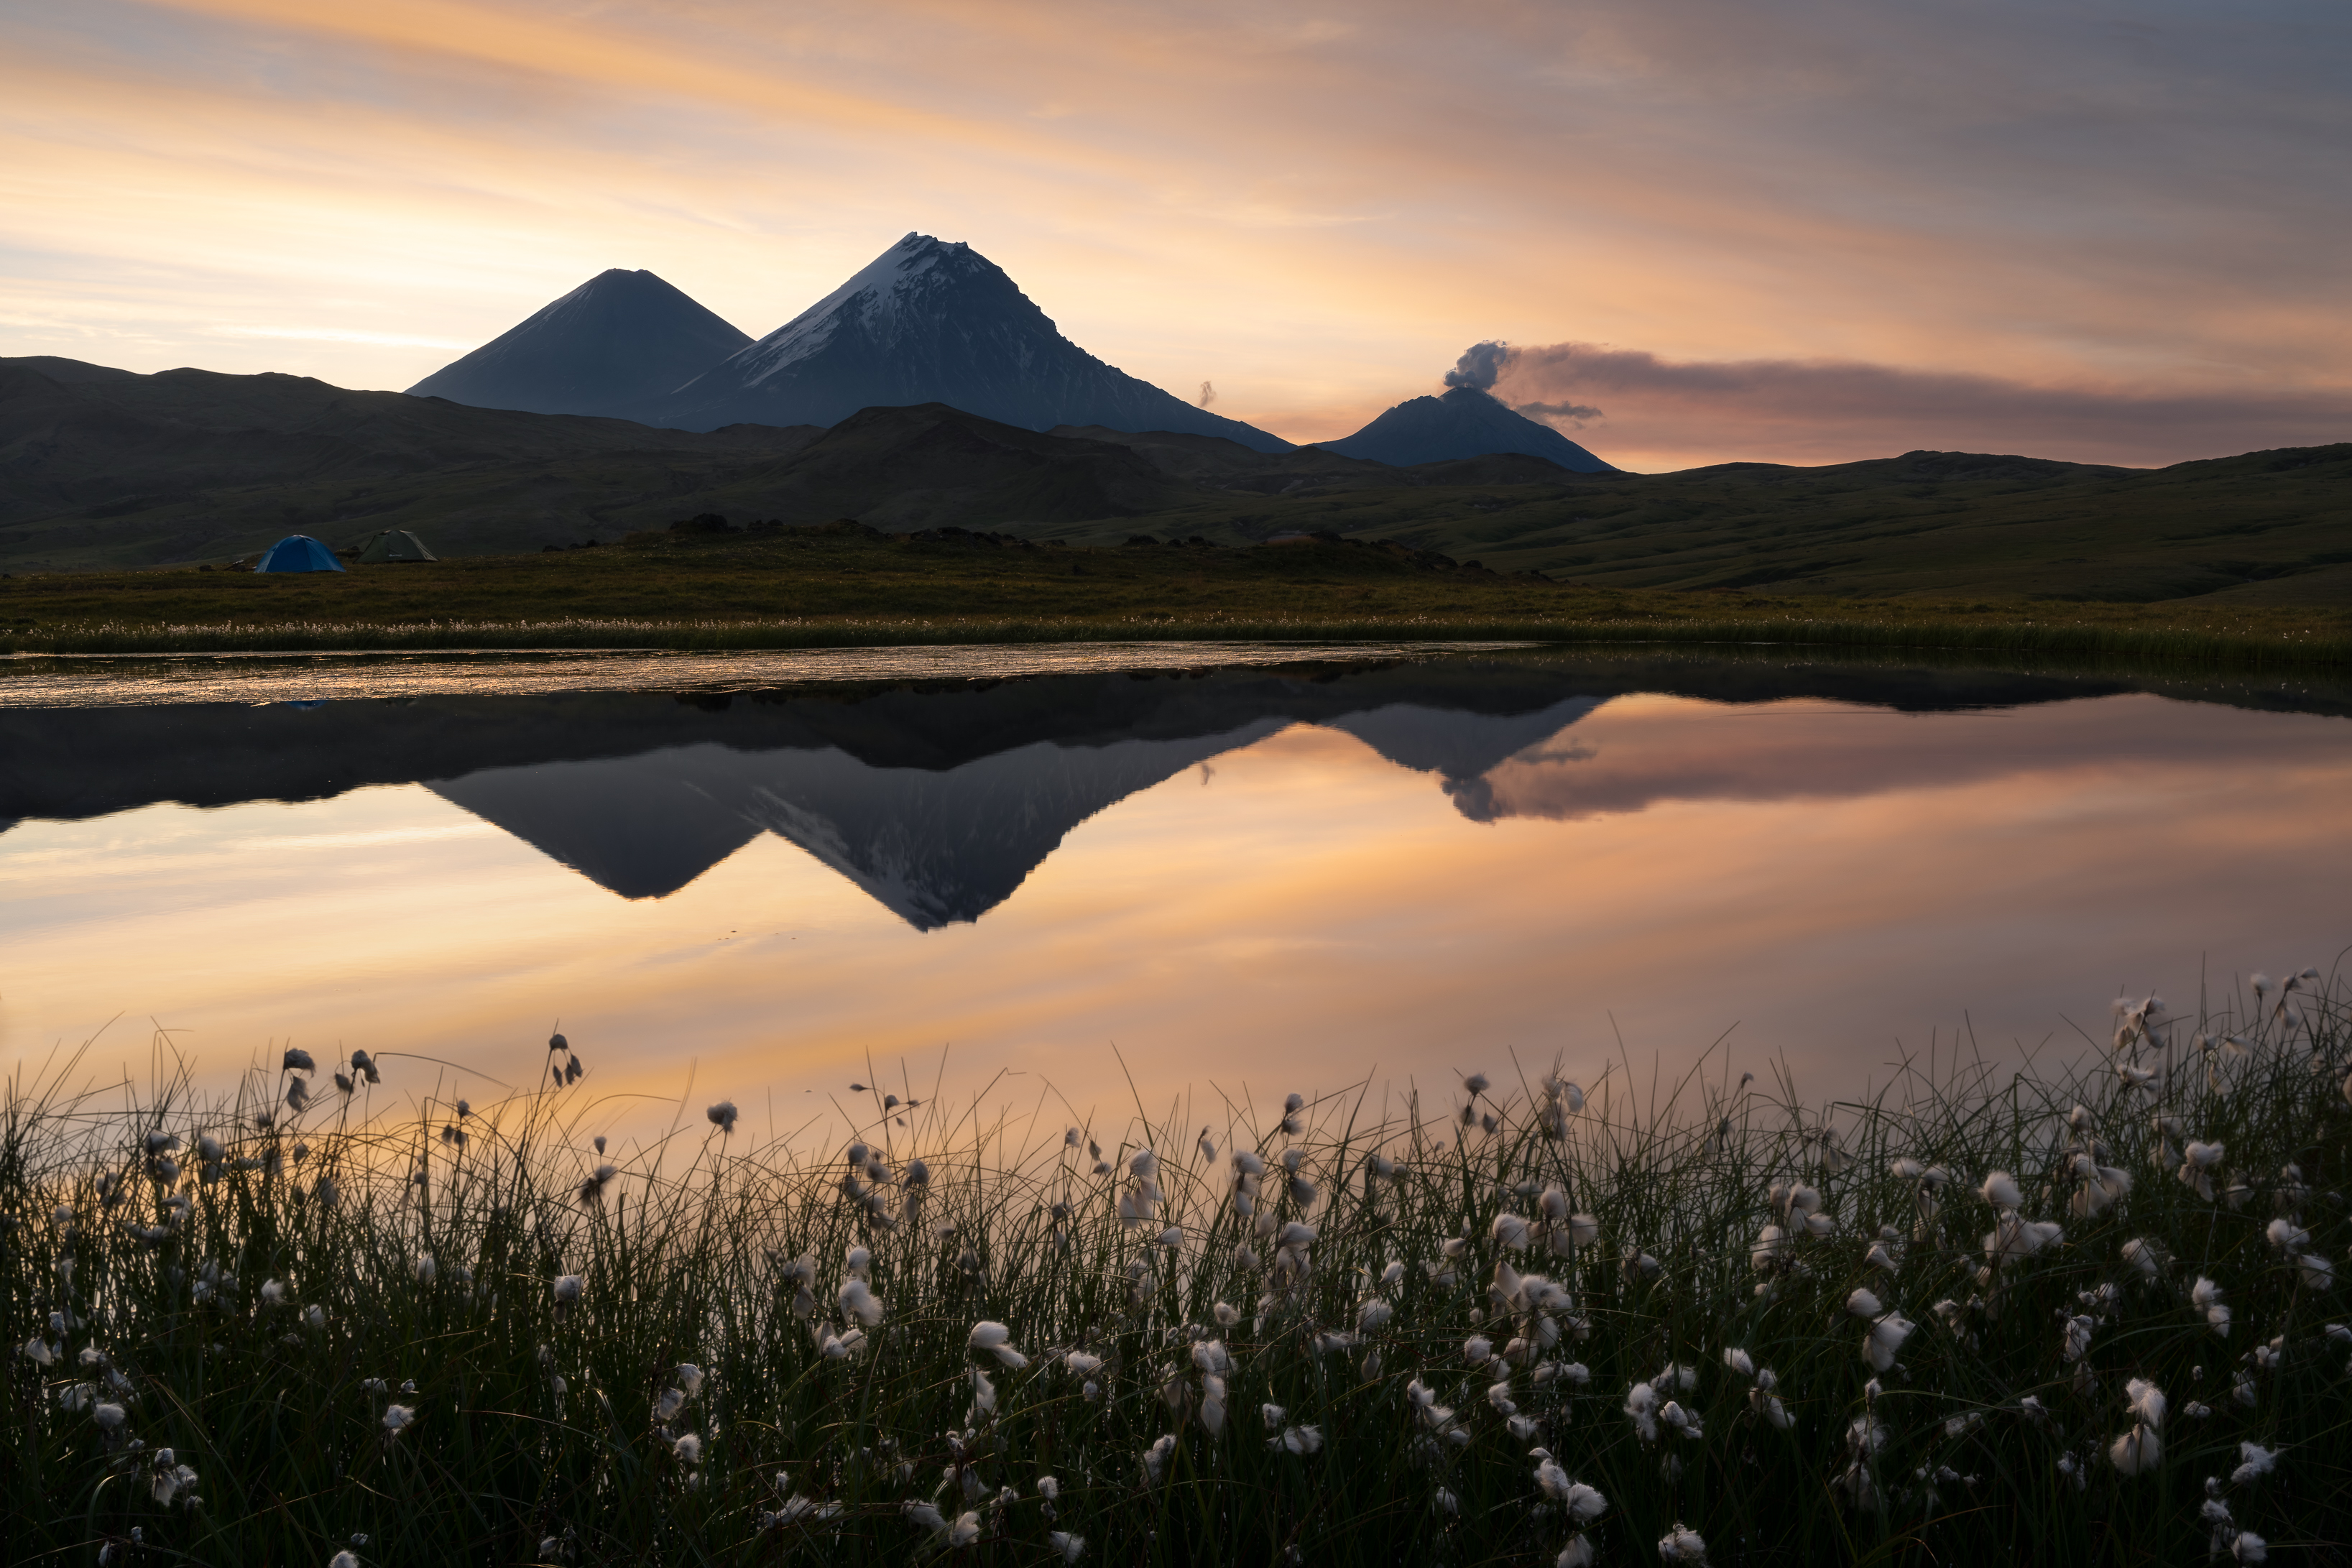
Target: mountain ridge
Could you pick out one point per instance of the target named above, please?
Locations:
(929, 321)
(938, 801)
(1462, 422)
(619, 339)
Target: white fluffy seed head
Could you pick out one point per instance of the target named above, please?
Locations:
(2145, 1401)
(2137, 1452)
(1682, 1546)
(858, 1300)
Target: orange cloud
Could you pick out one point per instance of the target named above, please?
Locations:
(1315, 212)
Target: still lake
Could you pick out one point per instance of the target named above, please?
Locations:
(1248, 870)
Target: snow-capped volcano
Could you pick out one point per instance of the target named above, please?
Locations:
(617, 340)
(1463, 423)
(930, 322)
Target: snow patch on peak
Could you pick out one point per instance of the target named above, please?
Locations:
(874, 298)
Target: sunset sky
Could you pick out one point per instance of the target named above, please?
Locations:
(1805, 232)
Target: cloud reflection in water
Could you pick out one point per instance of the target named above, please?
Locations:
(1826, 876)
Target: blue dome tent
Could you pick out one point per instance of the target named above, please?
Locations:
(298, 552)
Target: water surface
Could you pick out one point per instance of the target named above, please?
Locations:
(1276, 870)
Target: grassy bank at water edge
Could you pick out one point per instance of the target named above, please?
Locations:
(2091, 1317)
(842, 585)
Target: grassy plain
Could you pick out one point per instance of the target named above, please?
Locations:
(2060, 1317)
(846, 585)
(2264, 528)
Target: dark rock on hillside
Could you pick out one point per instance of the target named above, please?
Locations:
(618, 340)
(931, 322)
(1463, 423)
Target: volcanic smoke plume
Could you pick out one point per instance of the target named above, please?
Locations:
(1482, 364)
(1792, 410)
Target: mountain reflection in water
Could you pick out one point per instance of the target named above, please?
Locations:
(939, 802)
(1386, 871)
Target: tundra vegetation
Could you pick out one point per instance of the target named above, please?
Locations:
(845, 586)
(2093, 1312)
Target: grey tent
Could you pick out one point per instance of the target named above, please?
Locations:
(395, 544)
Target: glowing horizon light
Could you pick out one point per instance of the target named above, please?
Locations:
(1317, 216)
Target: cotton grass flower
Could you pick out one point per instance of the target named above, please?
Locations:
(1684, 1547)
(398, 1418)
(1674, 1417)
(994, 1339)
(2197, 1164)
(2145, 1401)
(1213, 1405)
(1884, 1338)
(2206, 1297)
(2014, 1239)
(592, 1190)
(1642, 1409)
(1766, 1404)
(2137, 1452)
(2254, 1462)
(856, 1299)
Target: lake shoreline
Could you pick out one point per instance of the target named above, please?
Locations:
(845, 586)
(2152, 644)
